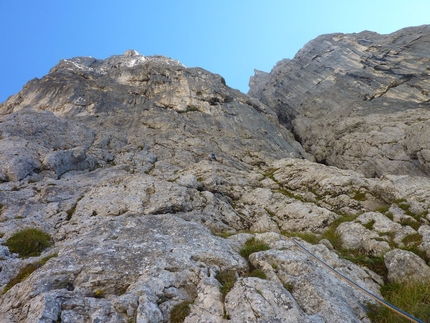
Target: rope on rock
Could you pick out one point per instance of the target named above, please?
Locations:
(376, 298)
(349, 281)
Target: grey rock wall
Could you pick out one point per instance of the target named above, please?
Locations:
(111, 158)
(357, 101)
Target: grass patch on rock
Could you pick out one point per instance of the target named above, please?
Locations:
(359, 196)
(21, 276)
(369, 225)
(180, 312)
(25, 272)
(331, 235)
(257, 273)
(270, 173)
(226, 278)
(414, 239)
(29, 242)
(308, 237)
(383, 209)
(374, 263)
(412, 297)
(411, 222)
(252, 246)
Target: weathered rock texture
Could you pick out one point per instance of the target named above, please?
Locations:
(112, 158)
(357, 101)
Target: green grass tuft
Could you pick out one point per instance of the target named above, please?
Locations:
(180, 312)
(28, 242)
(257, 273)
(359, 196)
(26, 271)
(383, 209)
(270, 173)
(252, 246)
(369, 225)
(331, 235)
(226, 278)
(412, 223)
(414, 239)
(21, 276)
(412, 297)
(288, 286)
(374, 263)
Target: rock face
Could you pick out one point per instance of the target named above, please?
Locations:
(146, 174)
(125, 103)
(357, 101)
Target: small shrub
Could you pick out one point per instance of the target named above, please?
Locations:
(180, 312)
(28, 242)
(226, 278)
(252, 246)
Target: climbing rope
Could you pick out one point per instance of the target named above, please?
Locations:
(349, 281)
(376, 298)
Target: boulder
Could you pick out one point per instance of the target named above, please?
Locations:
(405, 266)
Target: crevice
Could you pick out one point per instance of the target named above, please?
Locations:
(404, 78)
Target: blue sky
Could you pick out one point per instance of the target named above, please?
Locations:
(228, 37)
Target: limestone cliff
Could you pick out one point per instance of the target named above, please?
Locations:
(357, 101)
(168, 196)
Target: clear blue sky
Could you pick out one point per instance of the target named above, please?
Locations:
(228, 37)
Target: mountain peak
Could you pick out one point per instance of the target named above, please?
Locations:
(135, 189)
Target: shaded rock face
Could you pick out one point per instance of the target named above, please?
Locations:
(357, 101)
(146, 173)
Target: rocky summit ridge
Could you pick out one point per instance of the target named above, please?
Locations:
(164, 195)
